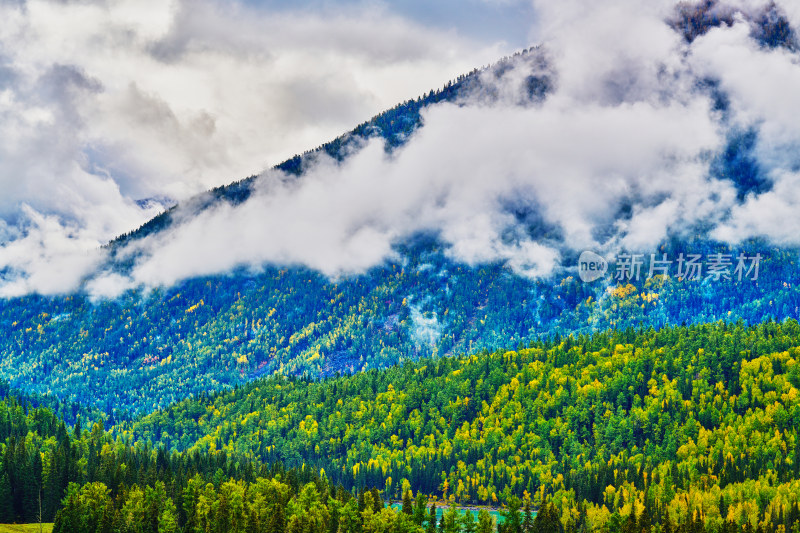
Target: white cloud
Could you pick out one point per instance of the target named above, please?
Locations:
(106, 102)
(210, 92)
(52, 254)
(453, 177)
(617, 156)
(771, 214)
(763, 86)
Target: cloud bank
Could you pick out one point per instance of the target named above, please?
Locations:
(622, 153)
(112, 109)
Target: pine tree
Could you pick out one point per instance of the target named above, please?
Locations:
(377, 501)
(468, 523)
(407, 507)
(419, 508)
(485, 522)
(277, 522)
(723, 508)
(512, 516)
(6, 501)
(361, 502)
(527, 521)
(645, 522)
(629, 525)
(37, 488)
(68, 519)
(547, 520)
(431, 526)
(107, 521)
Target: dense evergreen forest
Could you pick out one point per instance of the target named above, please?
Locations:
(682, 429)
(150, 348)
(147, 350)
(87, 482)
(696, 422)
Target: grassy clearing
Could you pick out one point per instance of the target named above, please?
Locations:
(25, 528)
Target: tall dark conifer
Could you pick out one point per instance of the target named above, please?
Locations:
(6, 500)
(407, 507)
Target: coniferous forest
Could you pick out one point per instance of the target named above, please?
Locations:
(681, 429)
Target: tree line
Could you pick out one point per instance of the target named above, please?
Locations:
(684, 423)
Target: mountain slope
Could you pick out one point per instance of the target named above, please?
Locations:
(665, 423)
(394, 126)
(156, 345)
(148, 350)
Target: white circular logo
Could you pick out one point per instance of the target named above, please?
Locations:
(591, 266)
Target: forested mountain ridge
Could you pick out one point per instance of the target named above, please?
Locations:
(153, 346)
(144, 351)
(394, 126)
(694, 423)
(276, 398)
(87, 482)
(691, 20)
(687, 429)
(69, 412)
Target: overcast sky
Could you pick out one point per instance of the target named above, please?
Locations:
(172, 97)
(104, 103)
(491, 21)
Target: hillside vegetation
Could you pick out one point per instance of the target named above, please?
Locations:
(682, 429)
(146, 351)
(687, 422)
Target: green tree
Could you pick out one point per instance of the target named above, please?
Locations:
(69, 519)
(133, 513)
(431, 526)
(512, 519)
(6, 495)
(450, 519)
(306, 512)
(468, 523)
(547, 520)
(277, 520)
(486, 523)
(420, 503)
(527, 519)
(168, 518)
(349, 519)
(407, 507)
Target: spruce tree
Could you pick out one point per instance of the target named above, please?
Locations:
(6, 507)
(485, 522)
(723, 508)
(277, 522)
(547, 520)
(645, 522)
(407, 507)
(468, 523)
(527, 520)
(431, 526)
(377, 501)
(361, 502)
(419, 508)
(629, 525)
(512, 516)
